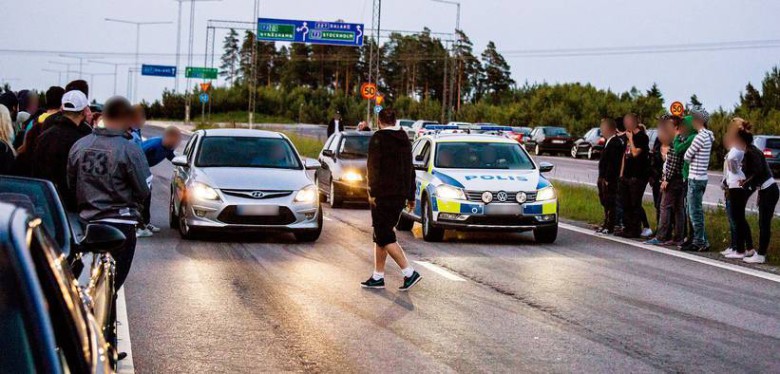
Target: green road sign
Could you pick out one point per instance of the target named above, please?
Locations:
(203, 73)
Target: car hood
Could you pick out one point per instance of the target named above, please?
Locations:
(492, 180)
(358, 165)
(253, 178)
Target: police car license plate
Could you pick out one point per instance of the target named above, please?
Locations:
(257, 210)
(503, 209)
(558, 141)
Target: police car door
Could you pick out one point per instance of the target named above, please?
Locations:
(421, 153)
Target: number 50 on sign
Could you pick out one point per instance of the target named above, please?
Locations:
(368, 91)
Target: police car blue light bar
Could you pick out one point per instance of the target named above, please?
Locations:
(442, 127)
(495, 128)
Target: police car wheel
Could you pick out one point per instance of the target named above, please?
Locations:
(335, 197)
(546, 235)
(308, 236)
(431, 233)
(173, 220)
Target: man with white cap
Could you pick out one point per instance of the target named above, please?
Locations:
(50, 156)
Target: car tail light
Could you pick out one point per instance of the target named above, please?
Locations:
(601, 141)
(768, 153)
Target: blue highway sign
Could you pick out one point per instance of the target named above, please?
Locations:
(313, 32)
(377, 109)
(204, 98)
(158, 70)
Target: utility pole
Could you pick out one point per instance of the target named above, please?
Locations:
(67, 68)
(59, 74)
(81, 63)
(253, 70)
(374, 55)
(137, 45)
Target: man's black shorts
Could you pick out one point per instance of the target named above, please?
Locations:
(384, 217)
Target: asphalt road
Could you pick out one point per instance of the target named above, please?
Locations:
(487, 303)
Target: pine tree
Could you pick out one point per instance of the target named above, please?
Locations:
(497, 79)
(655, 92)
(770, 90)
(468, 70)
(230, 58)
(751, 99)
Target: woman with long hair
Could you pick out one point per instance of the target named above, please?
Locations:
(7, 153)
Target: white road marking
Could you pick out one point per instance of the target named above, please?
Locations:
(671, 252)
(327, 218)
(440, 270)
(123, 334)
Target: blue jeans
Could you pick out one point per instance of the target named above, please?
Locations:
(696, 190)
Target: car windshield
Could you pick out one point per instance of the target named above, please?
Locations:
(406, 123)
(249, 152)
(354, 147)
(555, 131)
(37, 199)
(473, 155)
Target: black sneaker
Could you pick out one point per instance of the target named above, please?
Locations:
(373, 283)
(409, 282)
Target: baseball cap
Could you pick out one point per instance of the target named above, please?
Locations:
(74, 101)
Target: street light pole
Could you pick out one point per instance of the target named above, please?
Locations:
(67, 68)
(137, 45)
(116, 66)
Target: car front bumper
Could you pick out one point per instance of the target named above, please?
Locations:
(472, 216)
(352, 190)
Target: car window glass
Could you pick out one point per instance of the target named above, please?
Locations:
(354, 146)
(188, 146)
(256, 152)
(191, 145)
(15, 345)
(426, 152)
(334, 143)
(37, 199)
(555, 131)
(473, 155)
(773, 143)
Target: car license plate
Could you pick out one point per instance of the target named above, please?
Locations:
(257, 210)
(502, 209)
(559, 141)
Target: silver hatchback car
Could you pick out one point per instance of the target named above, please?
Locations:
(244, 180)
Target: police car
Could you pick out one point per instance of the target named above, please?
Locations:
(480, 182)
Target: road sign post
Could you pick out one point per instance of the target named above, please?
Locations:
(313, 32)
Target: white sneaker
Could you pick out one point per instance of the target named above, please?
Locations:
(750, 252)
(728, 251)
(735, 254)
(152, 228)
(755, 259)
(143, 233)
(646, 233)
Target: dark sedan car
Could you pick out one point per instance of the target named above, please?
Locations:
(770, 145)
(342, 176)
(589, 145)
(549, 139)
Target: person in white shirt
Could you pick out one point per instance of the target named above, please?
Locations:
(737, 196)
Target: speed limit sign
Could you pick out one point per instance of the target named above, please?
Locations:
(677, 108)
(368, 90)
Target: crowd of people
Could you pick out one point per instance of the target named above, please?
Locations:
(98, 161)
(676, 169)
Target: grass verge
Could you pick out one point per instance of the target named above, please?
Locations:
(581, 203)
(307, 147)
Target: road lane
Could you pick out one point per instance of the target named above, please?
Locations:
(266, 303)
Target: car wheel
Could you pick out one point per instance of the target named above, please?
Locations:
(404, 223)
(185, 230)
(431, 233)
(590, 153)
(537, 150)
(308, 236)
(335, 198)
(546, 235)
(173, 220)
(574, 151)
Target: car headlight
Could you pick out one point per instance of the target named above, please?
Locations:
(351, 176)
(204, 192)
(451, 193)
(307, 194)
(547, 193)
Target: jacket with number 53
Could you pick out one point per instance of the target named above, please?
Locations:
(109, 175)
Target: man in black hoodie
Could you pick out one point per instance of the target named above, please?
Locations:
(391, 183)
(50, 156)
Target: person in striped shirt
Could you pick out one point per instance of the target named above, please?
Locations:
(697, 160)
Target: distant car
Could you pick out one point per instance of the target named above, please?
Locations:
(418, 128)
(549, 139)
(466, 125)
(406, 124)
(521, 134)
(589, 145)
(244, 180)
(342, 176)
(770, 145)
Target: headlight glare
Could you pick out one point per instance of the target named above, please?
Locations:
(352, 176)
(451, 193)
(307, 194)
(547, 193)
(204, 192)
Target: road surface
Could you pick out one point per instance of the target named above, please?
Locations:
(487, 303)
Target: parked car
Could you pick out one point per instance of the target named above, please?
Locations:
(589, 145)
(47, 326)
(406, 124)
(521, 134)
(549, 139)
(419, 127)
(770, 145)
(244, 180)
(342, 176)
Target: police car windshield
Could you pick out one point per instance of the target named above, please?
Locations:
(250, 152)
(473, 155)
(354, 147)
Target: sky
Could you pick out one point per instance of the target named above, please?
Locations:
(717, 77)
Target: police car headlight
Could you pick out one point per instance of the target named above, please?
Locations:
(307, 194)
(547, 193)
(351, 176)
(451, 193)
(204, 192)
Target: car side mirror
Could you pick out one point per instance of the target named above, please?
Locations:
(419, 158)
(311, 164)
(545, 167)
(419, 166)
(180, 161)
(99, 238)
(328, 153)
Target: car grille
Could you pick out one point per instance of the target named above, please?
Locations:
(477, 196)
(229, 216)
(256, 194)
(501, 220)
